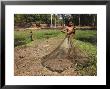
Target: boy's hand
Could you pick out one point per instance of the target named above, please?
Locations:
(63, 31)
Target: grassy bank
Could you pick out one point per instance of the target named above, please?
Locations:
(91, 67)
(87, 41)
(23, 37)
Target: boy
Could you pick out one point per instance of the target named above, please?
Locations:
(70, 32)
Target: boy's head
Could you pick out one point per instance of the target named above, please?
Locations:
(70, 23)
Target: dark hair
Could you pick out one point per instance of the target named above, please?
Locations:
(69, 22)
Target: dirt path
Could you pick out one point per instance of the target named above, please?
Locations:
(27, 59)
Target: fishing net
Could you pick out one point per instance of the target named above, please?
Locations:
(64, 56)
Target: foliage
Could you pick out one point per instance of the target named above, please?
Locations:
(78, 19)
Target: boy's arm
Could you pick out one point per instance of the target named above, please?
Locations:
(64, 30)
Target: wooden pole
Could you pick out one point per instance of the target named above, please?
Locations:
(51, 21)
(55, 20)
(79, 20)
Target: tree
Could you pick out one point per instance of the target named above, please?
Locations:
(77, 19)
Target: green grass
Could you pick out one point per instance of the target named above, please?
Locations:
(23, 37)
(91, 50)
(87, 41)
(89, 36)
(45, 34)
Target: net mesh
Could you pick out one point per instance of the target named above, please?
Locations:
(64, 56)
